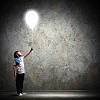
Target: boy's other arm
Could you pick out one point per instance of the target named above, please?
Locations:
(28, 53)
(14, 69)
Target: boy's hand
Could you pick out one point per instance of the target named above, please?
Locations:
(15, 75)
(31, 49)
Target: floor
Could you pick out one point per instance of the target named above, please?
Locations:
(52, 95)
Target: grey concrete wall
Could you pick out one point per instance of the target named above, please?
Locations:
(65, 41)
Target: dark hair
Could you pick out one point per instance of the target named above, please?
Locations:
(15, 56)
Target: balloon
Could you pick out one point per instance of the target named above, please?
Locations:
(31, 18)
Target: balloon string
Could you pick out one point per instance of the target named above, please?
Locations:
(32, 42)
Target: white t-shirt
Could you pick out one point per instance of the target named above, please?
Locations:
(19, 67)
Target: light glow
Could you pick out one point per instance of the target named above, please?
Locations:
(31, 18)
(61, 94)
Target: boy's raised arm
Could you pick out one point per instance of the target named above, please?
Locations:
(28, 53)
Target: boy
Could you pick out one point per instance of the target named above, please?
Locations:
(19, 70)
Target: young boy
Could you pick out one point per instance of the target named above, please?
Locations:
(19, 70)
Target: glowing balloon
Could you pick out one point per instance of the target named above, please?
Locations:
(31, 18)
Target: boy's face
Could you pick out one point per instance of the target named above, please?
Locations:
(18, 54)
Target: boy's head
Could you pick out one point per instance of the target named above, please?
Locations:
(17, 54)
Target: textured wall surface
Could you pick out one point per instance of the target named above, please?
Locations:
(66, 44)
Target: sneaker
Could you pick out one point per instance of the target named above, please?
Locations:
(23, 93)
(20, 94)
